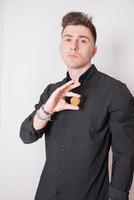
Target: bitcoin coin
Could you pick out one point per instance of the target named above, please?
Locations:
(75, 101)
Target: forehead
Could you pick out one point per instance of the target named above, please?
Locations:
(76, 31)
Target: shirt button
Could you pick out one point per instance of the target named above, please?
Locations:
(66, 128)
(58, 192)
(60, 171)
(63, 149)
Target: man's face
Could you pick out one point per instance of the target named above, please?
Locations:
(77, 46)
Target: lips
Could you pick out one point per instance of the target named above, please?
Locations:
(73, 55)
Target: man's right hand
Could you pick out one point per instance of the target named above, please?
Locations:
(56, 101)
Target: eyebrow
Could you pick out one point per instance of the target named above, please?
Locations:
(80, 36)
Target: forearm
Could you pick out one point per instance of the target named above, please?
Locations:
(33, 127)
(41, 119)
(27, 132)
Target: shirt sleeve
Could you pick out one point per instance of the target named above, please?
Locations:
(122, 130)
(27, 132)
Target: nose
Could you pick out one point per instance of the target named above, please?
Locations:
(74, 46)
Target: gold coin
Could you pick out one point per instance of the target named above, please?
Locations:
(75, 101)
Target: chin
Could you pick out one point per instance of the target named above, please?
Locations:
(74, 66)
(70, 65)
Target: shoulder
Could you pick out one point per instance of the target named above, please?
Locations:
(113, 88)
(110, 85)
(109, 80)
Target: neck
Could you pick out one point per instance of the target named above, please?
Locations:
(76, 73)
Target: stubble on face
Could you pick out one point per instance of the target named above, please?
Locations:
(77, 46)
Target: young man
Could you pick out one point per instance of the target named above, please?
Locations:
(81, 117)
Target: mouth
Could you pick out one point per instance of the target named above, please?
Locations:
(73, 55)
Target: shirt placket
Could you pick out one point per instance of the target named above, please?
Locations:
(63, 149)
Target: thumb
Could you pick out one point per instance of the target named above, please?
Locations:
(71, 107)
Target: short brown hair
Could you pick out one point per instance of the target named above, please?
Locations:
(79, 18)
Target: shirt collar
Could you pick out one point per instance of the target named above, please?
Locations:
(88, 73)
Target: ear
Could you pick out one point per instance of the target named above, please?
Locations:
(94, 51)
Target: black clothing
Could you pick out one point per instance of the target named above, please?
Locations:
(78, 142)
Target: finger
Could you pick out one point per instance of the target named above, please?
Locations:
(71, 94)
(71, 107)
(75, 85)
(66, 85)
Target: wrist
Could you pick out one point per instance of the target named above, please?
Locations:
(42, 116)
(46, 110)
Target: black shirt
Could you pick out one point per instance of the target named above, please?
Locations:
(78, 142)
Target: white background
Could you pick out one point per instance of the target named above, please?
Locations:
(29, 60)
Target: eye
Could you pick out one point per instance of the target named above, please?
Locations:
(84, 41)
(67, 40)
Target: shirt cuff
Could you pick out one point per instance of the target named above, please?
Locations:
(115, 194)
